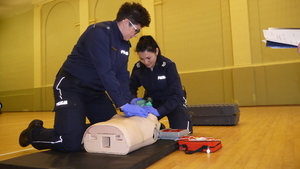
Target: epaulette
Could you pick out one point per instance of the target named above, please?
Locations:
(165, 62)
(103, 25)
(138, 64)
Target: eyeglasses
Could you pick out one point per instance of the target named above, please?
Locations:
(135, 28)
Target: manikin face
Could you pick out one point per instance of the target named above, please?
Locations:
(130, 30)
(148, 58)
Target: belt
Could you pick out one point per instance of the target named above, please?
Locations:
(74, 79)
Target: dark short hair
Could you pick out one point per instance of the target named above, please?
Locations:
(135, 12)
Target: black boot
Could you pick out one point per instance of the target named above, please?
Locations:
(192, 120)
(23, 139)
(162, 126)
(1, 108)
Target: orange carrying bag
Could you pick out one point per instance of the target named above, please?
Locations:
(192, 144)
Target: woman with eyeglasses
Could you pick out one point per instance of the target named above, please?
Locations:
(91, 83)
(159, 76)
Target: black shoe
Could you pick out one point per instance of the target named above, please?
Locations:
(192, 120)
(23, 139)
(162, 126)
(191, 114)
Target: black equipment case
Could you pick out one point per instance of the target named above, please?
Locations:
(227, 114)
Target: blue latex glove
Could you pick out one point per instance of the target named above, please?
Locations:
(127, 114)
(134, 110)
(151, 110)
(134, 100)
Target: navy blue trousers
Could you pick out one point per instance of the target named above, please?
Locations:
(73, 103)
(179, 118)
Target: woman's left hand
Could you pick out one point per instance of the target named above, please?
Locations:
(134, 100)
(151, 110)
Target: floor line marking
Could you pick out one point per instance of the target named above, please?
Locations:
(16, 152)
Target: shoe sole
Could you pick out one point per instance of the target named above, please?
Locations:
(23, 139)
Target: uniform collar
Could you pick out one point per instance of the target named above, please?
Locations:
(117, 30)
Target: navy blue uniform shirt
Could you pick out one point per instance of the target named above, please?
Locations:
(162, 84)
(99, 60)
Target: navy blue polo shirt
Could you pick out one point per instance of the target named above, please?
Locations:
(99, 60)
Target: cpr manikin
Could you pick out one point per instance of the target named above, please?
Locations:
(121, 135)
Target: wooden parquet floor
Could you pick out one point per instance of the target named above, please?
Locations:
(265, 138)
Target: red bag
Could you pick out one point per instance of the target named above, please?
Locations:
(192, 144)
